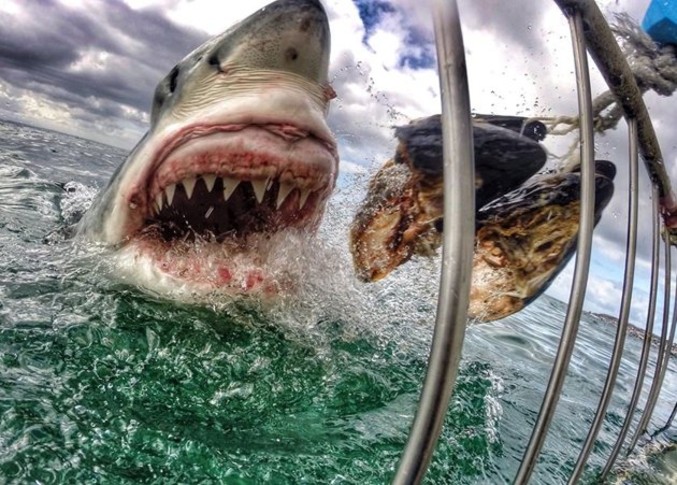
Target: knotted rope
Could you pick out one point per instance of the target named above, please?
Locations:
(654, 67)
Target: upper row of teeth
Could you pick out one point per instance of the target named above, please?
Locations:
(229, 185)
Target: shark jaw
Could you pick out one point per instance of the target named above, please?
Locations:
(238, 153)
(203, 212)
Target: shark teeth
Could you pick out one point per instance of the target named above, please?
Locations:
(210, 180)
(169, 192)
(304, 197)
(189, 185)
(260, 187)
(167, 196)
(285, 190)
(158, 201)
(229, 186)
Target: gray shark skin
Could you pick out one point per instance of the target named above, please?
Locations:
(242, 114)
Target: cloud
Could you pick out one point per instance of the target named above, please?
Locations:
(605, 294)
(351, 167)
(105, 58)
(100, 61)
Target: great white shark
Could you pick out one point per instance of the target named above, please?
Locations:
(238, 150)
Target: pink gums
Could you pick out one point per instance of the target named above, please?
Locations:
(245, 152)
(256, 152)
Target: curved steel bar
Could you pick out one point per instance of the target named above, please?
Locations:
(666, 361)
(458, 245)
(671, 342)
(671, 339)
(628, 281)
(644, 357)
(659, 372)
(583, 249)
(614, 68)
(668, 423)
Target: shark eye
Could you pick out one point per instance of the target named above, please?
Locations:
(173, 75)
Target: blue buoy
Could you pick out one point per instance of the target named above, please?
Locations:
(660, 21)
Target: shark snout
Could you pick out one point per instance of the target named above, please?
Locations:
(287, 35)
(284, 37)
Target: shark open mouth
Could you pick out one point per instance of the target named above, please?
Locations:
(207, 209)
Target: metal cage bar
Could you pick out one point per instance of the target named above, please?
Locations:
(646, 347)
(663, 358)
(668, 423)
(659, 372)
(628, 281)
(589, 29)
(668, 352)
(613, 66)
(458, 245)
(583, 250)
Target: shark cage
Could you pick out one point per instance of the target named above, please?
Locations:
(590, 34)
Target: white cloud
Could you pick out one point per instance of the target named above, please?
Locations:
(351, 167)
(34, 105)
(11, 7)
(91, 60)
(208, 15)
(604, 294)
(613, 252)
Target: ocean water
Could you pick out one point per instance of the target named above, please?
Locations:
(103, 383)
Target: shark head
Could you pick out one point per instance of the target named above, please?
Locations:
(238, 150)
(525, 239)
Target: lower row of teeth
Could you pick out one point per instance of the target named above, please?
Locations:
(229, 185)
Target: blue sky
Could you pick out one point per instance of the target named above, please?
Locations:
(89, 67)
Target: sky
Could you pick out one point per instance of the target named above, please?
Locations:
(89, 68)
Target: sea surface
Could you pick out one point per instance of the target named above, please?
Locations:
(101, 382)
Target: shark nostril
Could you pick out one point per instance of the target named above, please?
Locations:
(291, 54)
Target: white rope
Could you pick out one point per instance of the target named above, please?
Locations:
(654, 67)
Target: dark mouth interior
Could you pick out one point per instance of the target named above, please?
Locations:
(206, 214)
